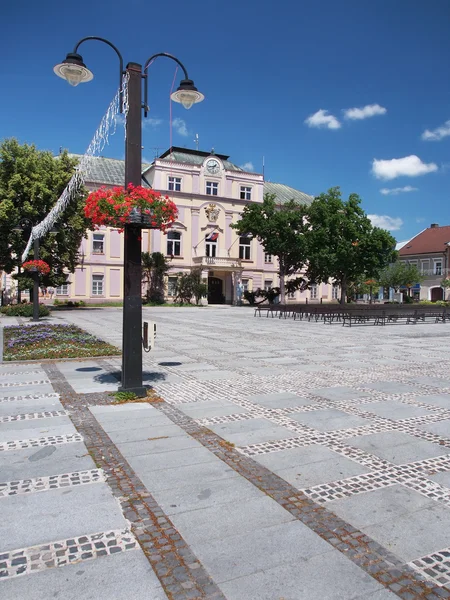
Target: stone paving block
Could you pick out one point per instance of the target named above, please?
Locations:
(119, 436)
(259, 550)
(294, 457)
(163, 444)
(21, 407)
(195, 495)
(339, 393)
(113, 410)
(441, 428)
(433, 381)
(195, 366)
(171, 460)
(43, 428)
(213, 408)
(393, 409)
(28, 463)
(122, 576)
(124, 423)
(392, 387)
(33, 424)
(32, 519)
(329, 420)
(214, 374)
(25, 390)
(441, 478)
(280, 400)
(442, 400)
(224, 520)
(328, 576)
(263, 371)
(251, 431)
(396, 447)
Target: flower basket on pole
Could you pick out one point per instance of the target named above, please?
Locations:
(36, 266)
(134, 205)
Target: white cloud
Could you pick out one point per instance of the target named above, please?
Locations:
(248, 166)
(385, 222)
(365, 112)
(180, 127)
(409, 166)
(399, 190)
(322, 119)
(420, 219)
(151, 122)
(437, 134)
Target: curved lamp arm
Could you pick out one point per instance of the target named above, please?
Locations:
(116, 50)
(147, 64)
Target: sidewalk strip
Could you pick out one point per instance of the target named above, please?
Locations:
(53, 482)
(65, 552)
(52, 440)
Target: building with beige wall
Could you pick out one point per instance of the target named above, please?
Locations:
(210, 192)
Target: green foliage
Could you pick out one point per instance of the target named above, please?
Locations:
(400, 274)
(121, 397)
(154, 266)
(280, 228)
(23, 310)
(251, 296)
(271, 293)
(190, 285)
(342, 242)
(31, 182)
(68, 303)
(437, 303)
(445, 283)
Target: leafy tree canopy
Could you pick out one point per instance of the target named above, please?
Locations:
(342, 242)
(400, 274)
(154, 266)
(31, 182)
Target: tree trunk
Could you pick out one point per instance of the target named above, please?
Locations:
(282, 286)
(343, 291)
(31, 291)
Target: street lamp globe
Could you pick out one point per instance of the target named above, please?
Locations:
(187, 94)
(73, 70)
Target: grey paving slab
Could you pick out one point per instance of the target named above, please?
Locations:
(171, 460)
(213, 408)
(42, 429)
(112, 410)
(328, 576)
(308, 475)
(224, 520)
(123, 576)
(330, 419)
(149, 432)
(441, 428)
(266, 548)
(280, 400)
(339, 393)
(194, 367)
(162, 444)
(29, 406)
(396, 447)
(251, 431)
(442, 400)
(394, 410)
(211, 375)
(25, 390)
(31, 424)
(392, 387)
(58, 514)
(112, 423)
(433, 381)
(441, 478)
(294, 457)
(42, 462)
(263, 371)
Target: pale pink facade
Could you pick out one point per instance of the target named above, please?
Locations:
(210, 193)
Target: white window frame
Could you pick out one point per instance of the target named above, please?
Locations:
(245, 283)
(245, 192)
(174, 183)
(245, 248)
(268, 284)
(212, 188)
(313, 292)
(174, 245)
(436, 268)
(334, 292)
(267, 258)
(62, 290)
(211, 248)
(424, 265)
(171, 283)
(98, 284)
(100, 240)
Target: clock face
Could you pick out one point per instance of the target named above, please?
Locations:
(212, 166)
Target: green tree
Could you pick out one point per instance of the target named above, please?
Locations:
(190, 285)
(400, 274)
(280, 228)
(31, 181)
(154, 267)
(342, 242)
(445, 283)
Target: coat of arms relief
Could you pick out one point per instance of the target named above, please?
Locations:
(212, 212)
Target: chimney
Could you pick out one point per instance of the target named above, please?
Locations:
(433, 225)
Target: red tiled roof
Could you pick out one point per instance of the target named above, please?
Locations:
(433, 239)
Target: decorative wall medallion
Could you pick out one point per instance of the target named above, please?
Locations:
(212, 212)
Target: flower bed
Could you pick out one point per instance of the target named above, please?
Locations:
(34, 342)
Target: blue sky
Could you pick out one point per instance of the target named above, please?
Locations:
(279, 78)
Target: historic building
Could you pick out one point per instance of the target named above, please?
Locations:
(429, 250)
(210, 193)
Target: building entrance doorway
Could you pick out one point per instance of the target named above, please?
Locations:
(215, 291)
(436, 294)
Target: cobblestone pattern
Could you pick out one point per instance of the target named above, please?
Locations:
(28, 397)
(435, 566)
(43, 441)
(53, 482)
(181, 574)
(376, 560)
(65, 552)
(23, 383)
(14, 373)
(30, 416)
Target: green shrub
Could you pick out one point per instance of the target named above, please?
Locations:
(24, 310)
(437, 303)
(56, 302)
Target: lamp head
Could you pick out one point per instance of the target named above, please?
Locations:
(187, 94)
(73, 70)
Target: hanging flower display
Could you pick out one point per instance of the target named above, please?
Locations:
(134, 205)
(36, 265)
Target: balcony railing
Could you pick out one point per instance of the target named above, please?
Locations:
(223, 262)
(442, 273)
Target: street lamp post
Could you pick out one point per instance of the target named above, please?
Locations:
(25, 225)
(75, 71)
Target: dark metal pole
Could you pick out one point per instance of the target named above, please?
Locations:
(132, 302)
(36, 284)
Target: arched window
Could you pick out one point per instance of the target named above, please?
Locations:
(174, 243)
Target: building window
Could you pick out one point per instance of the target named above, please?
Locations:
(244, 248)
(268, 284)
(174, 243)
(211, 248)
(244, 285)
(171, 286)
(98, 243)
(438, 267)
(424, 266)
(62, 290)
(246, 193)
(212, 188)
(313, 292)
(267, 258)
(334, 292)
(97, 285)
(174, 184)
